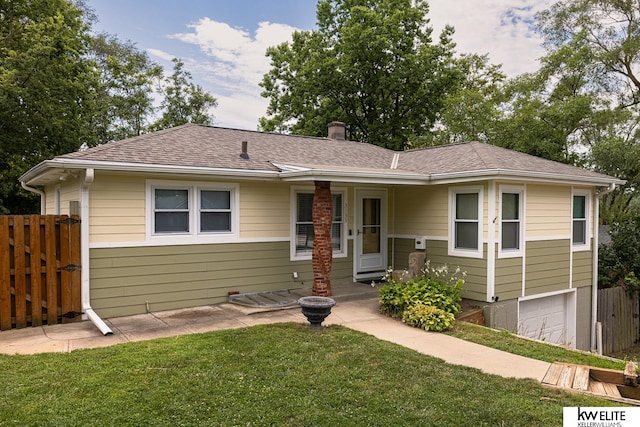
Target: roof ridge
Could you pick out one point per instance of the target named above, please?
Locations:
(110, 145)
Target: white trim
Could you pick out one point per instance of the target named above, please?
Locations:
(193, 236)
(294, 190)
(546, 294)
(512, 253)
(546, 238)
(183, 242)
(417, 236)
(467, 253)
(383, 195)
(301, 173)
(587, 230)
(491, 243)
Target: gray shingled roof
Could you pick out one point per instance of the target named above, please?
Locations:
(202, 146)
(207, 146)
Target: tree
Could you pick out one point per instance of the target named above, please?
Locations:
(46, 85)
(184, 102)
(371, 64)
(610, 30)
(471, 112)
(124, 94)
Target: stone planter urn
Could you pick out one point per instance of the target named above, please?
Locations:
(316, 309)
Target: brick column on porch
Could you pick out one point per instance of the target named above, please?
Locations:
(322, 255)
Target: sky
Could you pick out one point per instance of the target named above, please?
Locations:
(223, 42)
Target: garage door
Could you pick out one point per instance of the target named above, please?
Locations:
(546, 319)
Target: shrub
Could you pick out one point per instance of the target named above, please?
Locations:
(428, 317)
(619, 262)
(436, 287)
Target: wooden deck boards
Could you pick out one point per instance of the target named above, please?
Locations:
(584, 379)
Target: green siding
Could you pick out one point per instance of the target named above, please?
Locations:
(547, 266)
(123, 280)
(399, 252)
(475, 286)
(508, 277)
(582, 269)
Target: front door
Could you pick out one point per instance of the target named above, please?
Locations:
(371, 233)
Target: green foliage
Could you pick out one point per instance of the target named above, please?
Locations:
(436, 288)
(124, 92)
(428, 317)
(46, 83)
(62, 88)
(184, 101)
(371, 64)
(619, 262)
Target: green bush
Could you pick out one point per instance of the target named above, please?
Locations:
(435, 287)
(428, 317)
(619, 262)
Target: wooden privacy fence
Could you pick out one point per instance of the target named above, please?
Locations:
(40, 274)
(619, 314)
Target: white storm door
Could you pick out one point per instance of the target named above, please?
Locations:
(371, 233)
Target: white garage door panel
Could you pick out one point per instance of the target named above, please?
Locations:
(545, 319)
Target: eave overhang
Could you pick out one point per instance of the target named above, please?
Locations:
(51, 171)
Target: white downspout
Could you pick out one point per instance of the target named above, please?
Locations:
(594, 280)
(84, 244)
(43, 207)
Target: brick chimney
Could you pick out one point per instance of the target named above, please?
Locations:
(336, 130)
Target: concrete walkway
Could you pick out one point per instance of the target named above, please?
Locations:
(358, 314)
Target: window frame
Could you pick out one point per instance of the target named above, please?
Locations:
(466, 252)
(299, 256)
(194, 235)
(586, 245)
(510, 252)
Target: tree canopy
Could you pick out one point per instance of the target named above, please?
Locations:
(371, 63)
(63, 87)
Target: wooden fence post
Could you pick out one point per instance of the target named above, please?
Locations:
(5, 274)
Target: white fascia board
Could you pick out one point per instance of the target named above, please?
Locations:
(528, 176)
(354, 177)
(42, 168)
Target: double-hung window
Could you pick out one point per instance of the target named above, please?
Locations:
(303, 234)
(579, 220)
(171, 210)
(511, 212)
(465, 228)
(193, 210)
(215, 211)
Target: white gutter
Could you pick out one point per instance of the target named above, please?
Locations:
(43, 207)
(62, 163)
(594, 280)
(84, 242)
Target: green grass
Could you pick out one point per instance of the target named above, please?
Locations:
(503, 340)
(281, 375)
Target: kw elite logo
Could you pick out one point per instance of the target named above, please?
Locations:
(601, 417)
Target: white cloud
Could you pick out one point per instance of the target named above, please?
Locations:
(161, 54)
(234, 64)
(502, 28)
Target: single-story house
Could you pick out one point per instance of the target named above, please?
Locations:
(184, 216)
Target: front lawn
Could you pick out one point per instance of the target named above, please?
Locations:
(281, 375)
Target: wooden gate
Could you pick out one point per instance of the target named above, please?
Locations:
(40, 278)
(619, 314)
